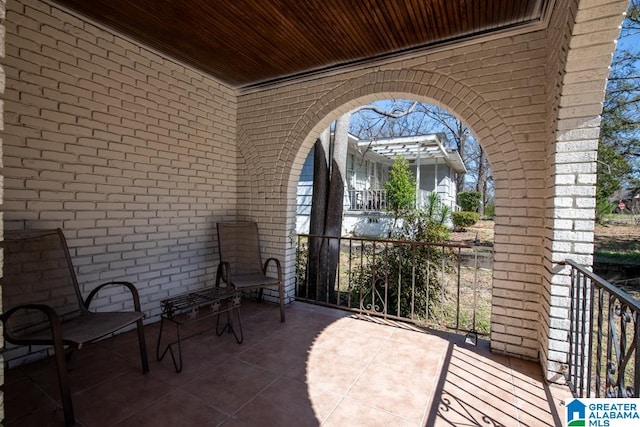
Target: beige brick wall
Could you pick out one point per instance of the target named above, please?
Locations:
(560, 28)
(131, 154)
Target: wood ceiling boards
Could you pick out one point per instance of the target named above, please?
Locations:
(249, 42)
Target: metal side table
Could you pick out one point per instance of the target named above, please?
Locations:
(197, 305)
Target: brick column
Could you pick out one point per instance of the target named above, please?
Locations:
(571, 206)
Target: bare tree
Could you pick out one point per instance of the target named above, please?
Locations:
(329, 173)
(415, 118)
(457, 133)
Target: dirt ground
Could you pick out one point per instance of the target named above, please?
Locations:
(481, 233)
(615, 235)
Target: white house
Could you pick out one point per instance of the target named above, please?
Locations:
(368, 162)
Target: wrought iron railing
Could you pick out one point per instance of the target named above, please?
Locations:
(603, 337)
(428, 284)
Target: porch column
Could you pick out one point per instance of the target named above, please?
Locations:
(435, 177)
(418, 167)
(571, 204)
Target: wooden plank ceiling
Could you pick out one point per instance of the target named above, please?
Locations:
(250, 42)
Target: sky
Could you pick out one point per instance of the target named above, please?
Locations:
(629, 37)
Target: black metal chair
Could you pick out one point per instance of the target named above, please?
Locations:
(43, 304)
(241, 263)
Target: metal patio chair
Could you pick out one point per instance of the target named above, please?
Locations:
(43, 304)
(240, 261)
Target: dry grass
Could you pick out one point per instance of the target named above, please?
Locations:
(618, 240)
(481, 234)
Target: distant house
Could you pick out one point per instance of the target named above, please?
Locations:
(629, 199)
(368, 163)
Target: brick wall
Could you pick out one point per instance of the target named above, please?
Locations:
(560, 29)
(131, 154)
(514, 92)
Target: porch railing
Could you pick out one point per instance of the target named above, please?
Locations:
(603, 337)
(367, 200)
(428, 284)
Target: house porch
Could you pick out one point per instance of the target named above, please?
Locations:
(136, 156)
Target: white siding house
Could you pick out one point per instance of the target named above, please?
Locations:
(367, 169)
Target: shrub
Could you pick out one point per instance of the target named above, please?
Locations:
(603, 208)
(401, 187)
(469, 201)
(402, 279)
(490, 210)
(423, 225)
(463, 219)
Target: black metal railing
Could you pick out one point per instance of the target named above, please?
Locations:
(603, 337)
(428, 284)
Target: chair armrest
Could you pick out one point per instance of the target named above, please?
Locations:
(276, 261)
(223, 273)
(128, 285)
(52, 316)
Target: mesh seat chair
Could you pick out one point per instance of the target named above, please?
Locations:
(241, 264)
(44, 306)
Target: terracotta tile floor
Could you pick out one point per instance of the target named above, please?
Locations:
(321, 367)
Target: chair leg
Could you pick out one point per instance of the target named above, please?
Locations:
(63, 382)
(143, 347)
(281, 295)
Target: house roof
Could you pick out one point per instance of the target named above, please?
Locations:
(426, 149)
(625, 194)
(246, 43)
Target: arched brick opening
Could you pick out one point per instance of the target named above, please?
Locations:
(492, 132)
(429, 87)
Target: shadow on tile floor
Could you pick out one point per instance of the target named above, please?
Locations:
(321, 367)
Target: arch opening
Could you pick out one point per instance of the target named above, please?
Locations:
(367, 214)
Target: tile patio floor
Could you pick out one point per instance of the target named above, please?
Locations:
(322, 367)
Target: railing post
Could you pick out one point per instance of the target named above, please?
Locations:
(636, 367)
(600, 326)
